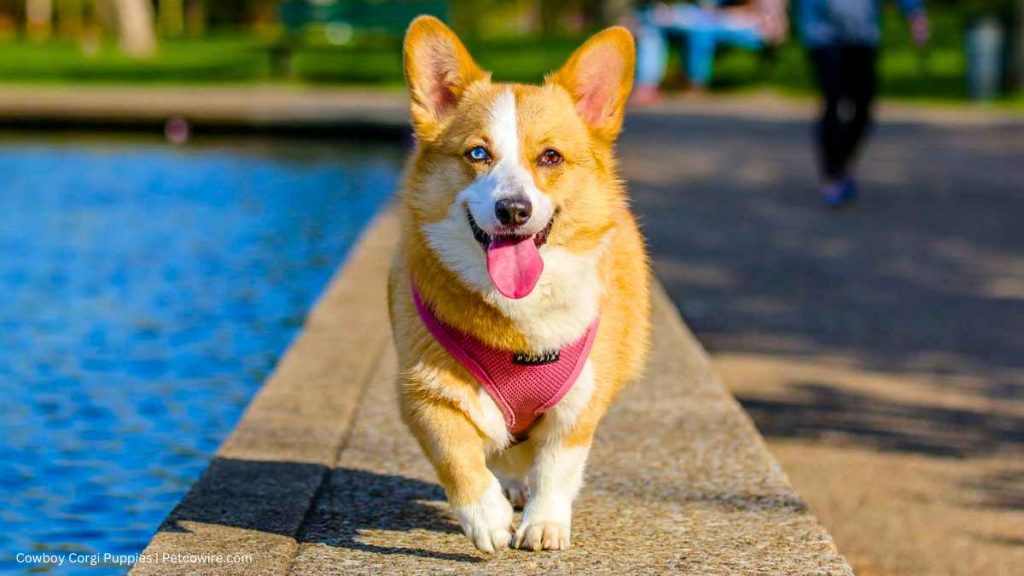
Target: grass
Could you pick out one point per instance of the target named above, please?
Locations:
(213, 59)
(905, 72)
(521, 60)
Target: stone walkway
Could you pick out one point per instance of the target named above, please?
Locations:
(879, 349)
(321, 477)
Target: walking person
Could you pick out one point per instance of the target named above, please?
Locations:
(842, 37)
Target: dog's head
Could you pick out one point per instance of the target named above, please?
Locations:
(506, 174)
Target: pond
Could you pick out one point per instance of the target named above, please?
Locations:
(147, 291)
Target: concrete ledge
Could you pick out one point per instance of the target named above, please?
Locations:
(241, 108)
(320, 477)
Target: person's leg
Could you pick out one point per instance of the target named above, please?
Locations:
(705, 40)
(739, 34)
(651, 55)
(695, 25)
(827, 61)
(700, 57)
(861, 84)
(651, 61)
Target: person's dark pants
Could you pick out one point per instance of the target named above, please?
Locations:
(847, 78)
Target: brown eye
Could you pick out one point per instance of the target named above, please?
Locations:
(550, 157)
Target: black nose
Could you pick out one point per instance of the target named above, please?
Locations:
(513, 211)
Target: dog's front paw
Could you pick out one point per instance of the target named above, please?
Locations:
(545, 525)
(488, 521)
(539, 536)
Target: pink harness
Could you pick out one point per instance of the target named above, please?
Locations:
(524, 386)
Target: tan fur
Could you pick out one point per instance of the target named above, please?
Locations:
(450, 99)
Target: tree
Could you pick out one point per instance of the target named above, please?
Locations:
(70, 18)
(136, 27)
(39, 18)
(172, 17)
(1019, 41)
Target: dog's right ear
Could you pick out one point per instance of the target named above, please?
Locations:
(438, 69)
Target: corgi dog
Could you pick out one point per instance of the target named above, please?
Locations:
(519, 295)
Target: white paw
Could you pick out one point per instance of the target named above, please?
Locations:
(539, 536)
(488, 521)
(545, 525)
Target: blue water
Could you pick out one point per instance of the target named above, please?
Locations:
(145, 293)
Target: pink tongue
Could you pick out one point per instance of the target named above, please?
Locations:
(514, 265)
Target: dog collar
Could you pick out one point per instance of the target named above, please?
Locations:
(523, 385)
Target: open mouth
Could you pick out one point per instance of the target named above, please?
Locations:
(514, 263)
(485, 239)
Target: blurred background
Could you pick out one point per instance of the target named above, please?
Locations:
(346, 42)
(180, 178)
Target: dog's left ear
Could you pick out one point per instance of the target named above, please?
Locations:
(599, 77)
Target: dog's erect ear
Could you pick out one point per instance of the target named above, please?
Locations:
(438, 69)
(599, 77)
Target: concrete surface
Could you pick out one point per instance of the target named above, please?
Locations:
(879, 349)
(229, 107)
(322, 478)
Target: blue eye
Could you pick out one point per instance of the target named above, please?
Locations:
(478, 154)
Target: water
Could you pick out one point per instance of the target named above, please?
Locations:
(145, 293)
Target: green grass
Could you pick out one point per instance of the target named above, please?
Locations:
(230, 59)
(521, 60)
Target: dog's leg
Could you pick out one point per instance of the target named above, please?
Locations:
(457, 450)
(561, 444)
(554, 479)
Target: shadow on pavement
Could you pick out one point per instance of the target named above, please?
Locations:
(355, 500)
(924, 276)
(1002, 489)
(274, 497)
(819, 411)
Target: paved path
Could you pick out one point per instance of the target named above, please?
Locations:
(320, 477)
(880, 349)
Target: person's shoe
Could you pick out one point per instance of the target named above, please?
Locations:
(849, 190)
(838, 194)
(832, 195)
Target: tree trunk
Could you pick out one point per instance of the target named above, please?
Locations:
(172, 17)
(39, 19)
(466, 18)
(195, 17)
(136, 26)
(1018, 67)
(69, 18)
(549, 14)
